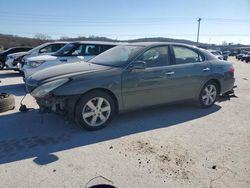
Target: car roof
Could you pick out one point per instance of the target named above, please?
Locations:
(97, 42)
(56, 42)
(148, 44)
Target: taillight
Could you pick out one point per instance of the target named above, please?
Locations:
(232, 69)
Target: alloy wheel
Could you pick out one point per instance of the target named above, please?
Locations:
(209, 94)
(96, 111)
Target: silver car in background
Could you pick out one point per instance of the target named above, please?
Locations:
(217, 54)
(16, 60)
(72, 52)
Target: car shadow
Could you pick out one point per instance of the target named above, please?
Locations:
(226, 98)
(31, 134)
(9, 75)
(15, 89)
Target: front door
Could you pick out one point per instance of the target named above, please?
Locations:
(149, 86)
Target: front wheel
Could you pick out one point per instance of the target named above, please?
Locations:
(95, 110)
(208, 94)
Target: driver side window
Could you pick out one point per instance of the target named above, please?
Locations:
(155, 57)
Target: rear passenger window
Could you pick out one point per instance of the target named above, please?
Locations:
(185, 55)
(91, 50)
(155, 57)
(106, 47)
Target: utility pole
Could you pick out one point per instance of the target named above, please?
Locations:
(198, 34)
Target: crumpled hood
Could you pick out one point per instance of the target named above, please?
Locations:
(64, 71)
(42, 58)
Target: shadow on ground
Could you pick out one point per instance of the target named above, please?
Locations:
(29, 135)
(9, 74)
(15, 89)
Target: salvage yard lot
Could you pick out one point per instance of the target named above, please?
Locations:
(170, 146)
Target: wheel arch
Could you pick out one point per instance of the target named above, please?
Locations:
(109, 92)
(215, 80)
(217, 83)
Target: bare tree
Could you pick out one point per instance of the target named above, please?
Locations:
(224, 43)
(64, 38)
(42, 36)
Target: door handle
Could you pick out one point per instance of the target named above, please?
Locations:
(206, 69)
(170, 73)
(63, 60)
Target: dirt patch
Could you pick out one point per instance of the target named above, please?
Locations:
(144, 147)
(171, 162)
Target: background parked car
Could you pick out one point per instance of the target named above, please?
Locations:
(4, 54)
(72, 52)
(225, 54)
(244, 56)
(217, 54)
(129, 77)
(247, 59)
(241, 54)
(46, 48)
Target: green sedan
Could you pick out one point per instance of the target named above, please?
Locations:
(129, 77)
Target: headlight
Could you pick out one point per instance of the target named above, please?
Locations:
(34, 63)
(44, 89)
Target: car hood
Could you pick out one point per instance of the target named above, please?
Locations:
(18, 54)
(64, 71)
(42, 58)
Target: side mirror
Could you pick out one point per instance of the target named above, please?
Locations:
(138, 65)
(43, 50)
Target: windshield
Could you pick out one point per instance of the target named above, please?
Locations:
(116, 56)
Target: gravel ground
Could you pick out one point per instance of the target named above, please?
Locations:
(172, 146)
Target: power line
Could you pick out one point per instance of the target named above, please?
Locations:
(87, 18)
(129, 34)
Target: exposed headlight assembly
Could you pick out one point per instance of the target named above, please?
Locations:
(34, 63)
(44, 89)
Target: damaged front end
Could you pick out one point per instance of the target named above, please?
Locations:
(47, 101)
(52, 104)
(58, 104)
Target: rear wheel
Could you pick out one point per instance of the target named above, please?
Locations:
(95, 110)
(208, 94)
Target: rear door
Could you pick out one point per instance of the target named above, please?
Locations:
(190, 71)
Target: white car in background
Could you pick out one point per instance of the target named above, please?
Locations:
(70, 53)
(14, 59)
(217, 53)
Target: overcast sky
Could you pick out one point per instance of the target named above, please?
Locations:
(222, 20)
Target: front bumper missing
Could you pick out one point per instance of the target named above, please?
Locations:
(50, 104)
(60, 105)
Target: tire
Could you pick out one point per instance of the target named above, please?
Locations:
(206, 99)
(7, 102)
(1, 65)
(97, 116)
